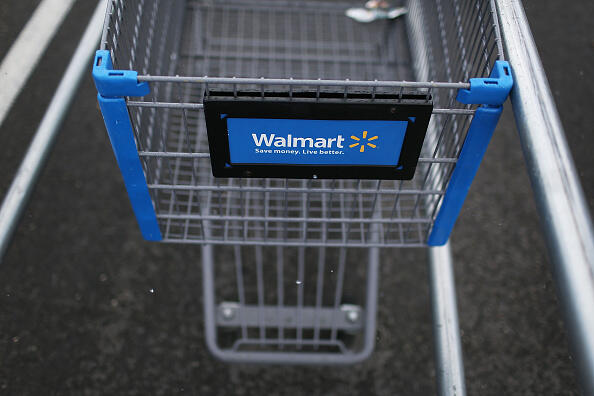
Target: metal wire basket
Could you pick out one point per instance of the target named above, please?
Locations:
(158, 62)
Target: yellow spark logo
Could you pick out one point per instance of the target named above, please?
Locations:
(359, 142)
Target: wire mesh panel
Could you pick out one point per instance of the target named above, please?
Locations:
(292, 301)
(294, 47)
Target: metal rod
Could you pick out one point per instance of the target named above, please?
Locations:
(166, 105)
(343, 191)
(448, 349)
(559, 197)
(198, 106)
(22, 185)
(294, 243)
(314, 220)
(284, 81)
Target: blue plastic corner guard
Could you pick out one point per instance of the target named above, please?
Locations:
(491, 93)
(478, 137)
(116, 83)
(112, 87)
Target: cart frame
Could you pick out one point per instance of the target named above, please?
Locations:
(565, 218)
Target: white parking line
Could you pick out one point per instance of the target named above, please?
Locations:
(23, 56)
(20, 190)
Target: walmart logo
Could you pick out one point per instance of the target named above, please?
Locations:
(360, 141)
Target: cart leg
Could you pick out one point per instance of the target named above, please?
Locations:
(448, 350)
(208, 293)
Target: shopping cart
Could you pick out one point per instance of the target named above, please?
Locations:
(284, 258)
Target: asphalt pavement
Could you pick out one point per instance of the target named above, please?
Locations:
(77, 315)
